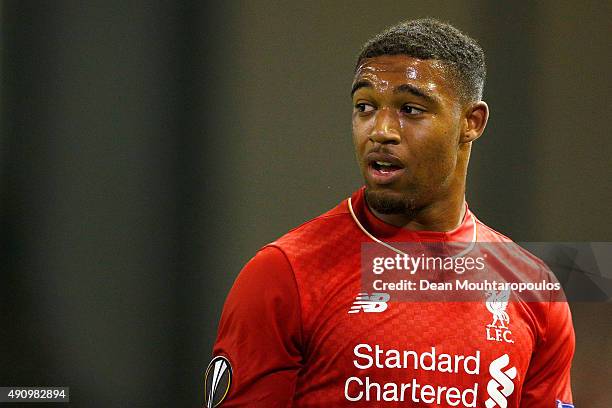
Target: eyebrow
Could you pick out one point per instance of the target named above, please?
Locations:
(404, 88)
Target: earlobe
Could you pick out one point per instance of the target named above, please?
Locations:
(474, 121)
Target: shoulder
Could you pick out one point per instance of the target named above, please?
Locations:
(337, 214)
(488, 234)
(268, 273)
(520, 264)
(505, 245)
(317, 233)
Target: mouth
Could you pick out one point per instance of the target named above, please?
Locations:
(383, 168)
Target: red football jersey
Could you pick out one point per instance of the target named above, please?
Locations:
(297, 329)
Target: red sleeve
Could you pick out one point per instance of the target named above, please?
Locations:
(260, 333)
(548, 376)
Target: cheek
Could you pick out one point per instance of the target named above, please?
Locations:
(360, 133)
(435, 152)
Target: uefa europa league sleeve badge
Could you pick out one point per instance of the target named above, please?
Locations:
(217, 381)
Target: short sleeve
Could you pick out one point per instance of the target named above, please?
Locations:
(260, 333)
(548, 376)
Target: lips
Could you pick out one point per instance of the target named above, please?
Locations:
(383, 168)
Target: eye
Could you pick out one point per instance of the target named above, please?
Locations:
(411, 110)
(363, 107)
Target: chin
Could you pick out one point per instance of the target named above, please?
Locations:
(387, 201)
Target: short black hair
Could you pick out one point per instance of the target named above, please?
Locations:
(432, 39)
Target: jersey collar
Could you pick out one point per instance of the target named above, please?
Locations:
(382, 230)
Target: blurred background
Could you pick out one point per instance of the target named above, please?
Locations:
(148, 149)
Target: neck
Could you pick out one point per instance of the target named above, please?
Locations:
(442, 216)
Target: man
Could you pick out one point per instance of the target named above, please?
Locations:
(297, 328)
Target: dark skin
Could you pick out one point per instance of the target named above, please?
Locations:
(413, 134)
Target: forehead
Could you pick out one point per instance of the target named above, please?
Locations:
(387, 71)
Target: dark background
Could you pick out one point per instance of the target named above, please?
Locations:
(148, 149)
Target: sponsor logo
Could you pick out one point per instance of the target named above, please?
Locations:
(497, 302)
(414, 388)
(217, 381)
(501, 385)
(374, 303)
(564, 404)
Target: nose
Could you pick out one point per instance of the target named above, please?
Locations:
(386, 127)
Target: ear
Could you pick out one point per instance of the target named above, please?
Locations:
(474, 121)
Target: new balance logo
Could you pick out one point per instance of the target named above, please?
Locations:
(564, 405)
(374, 303)
(501, 379)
